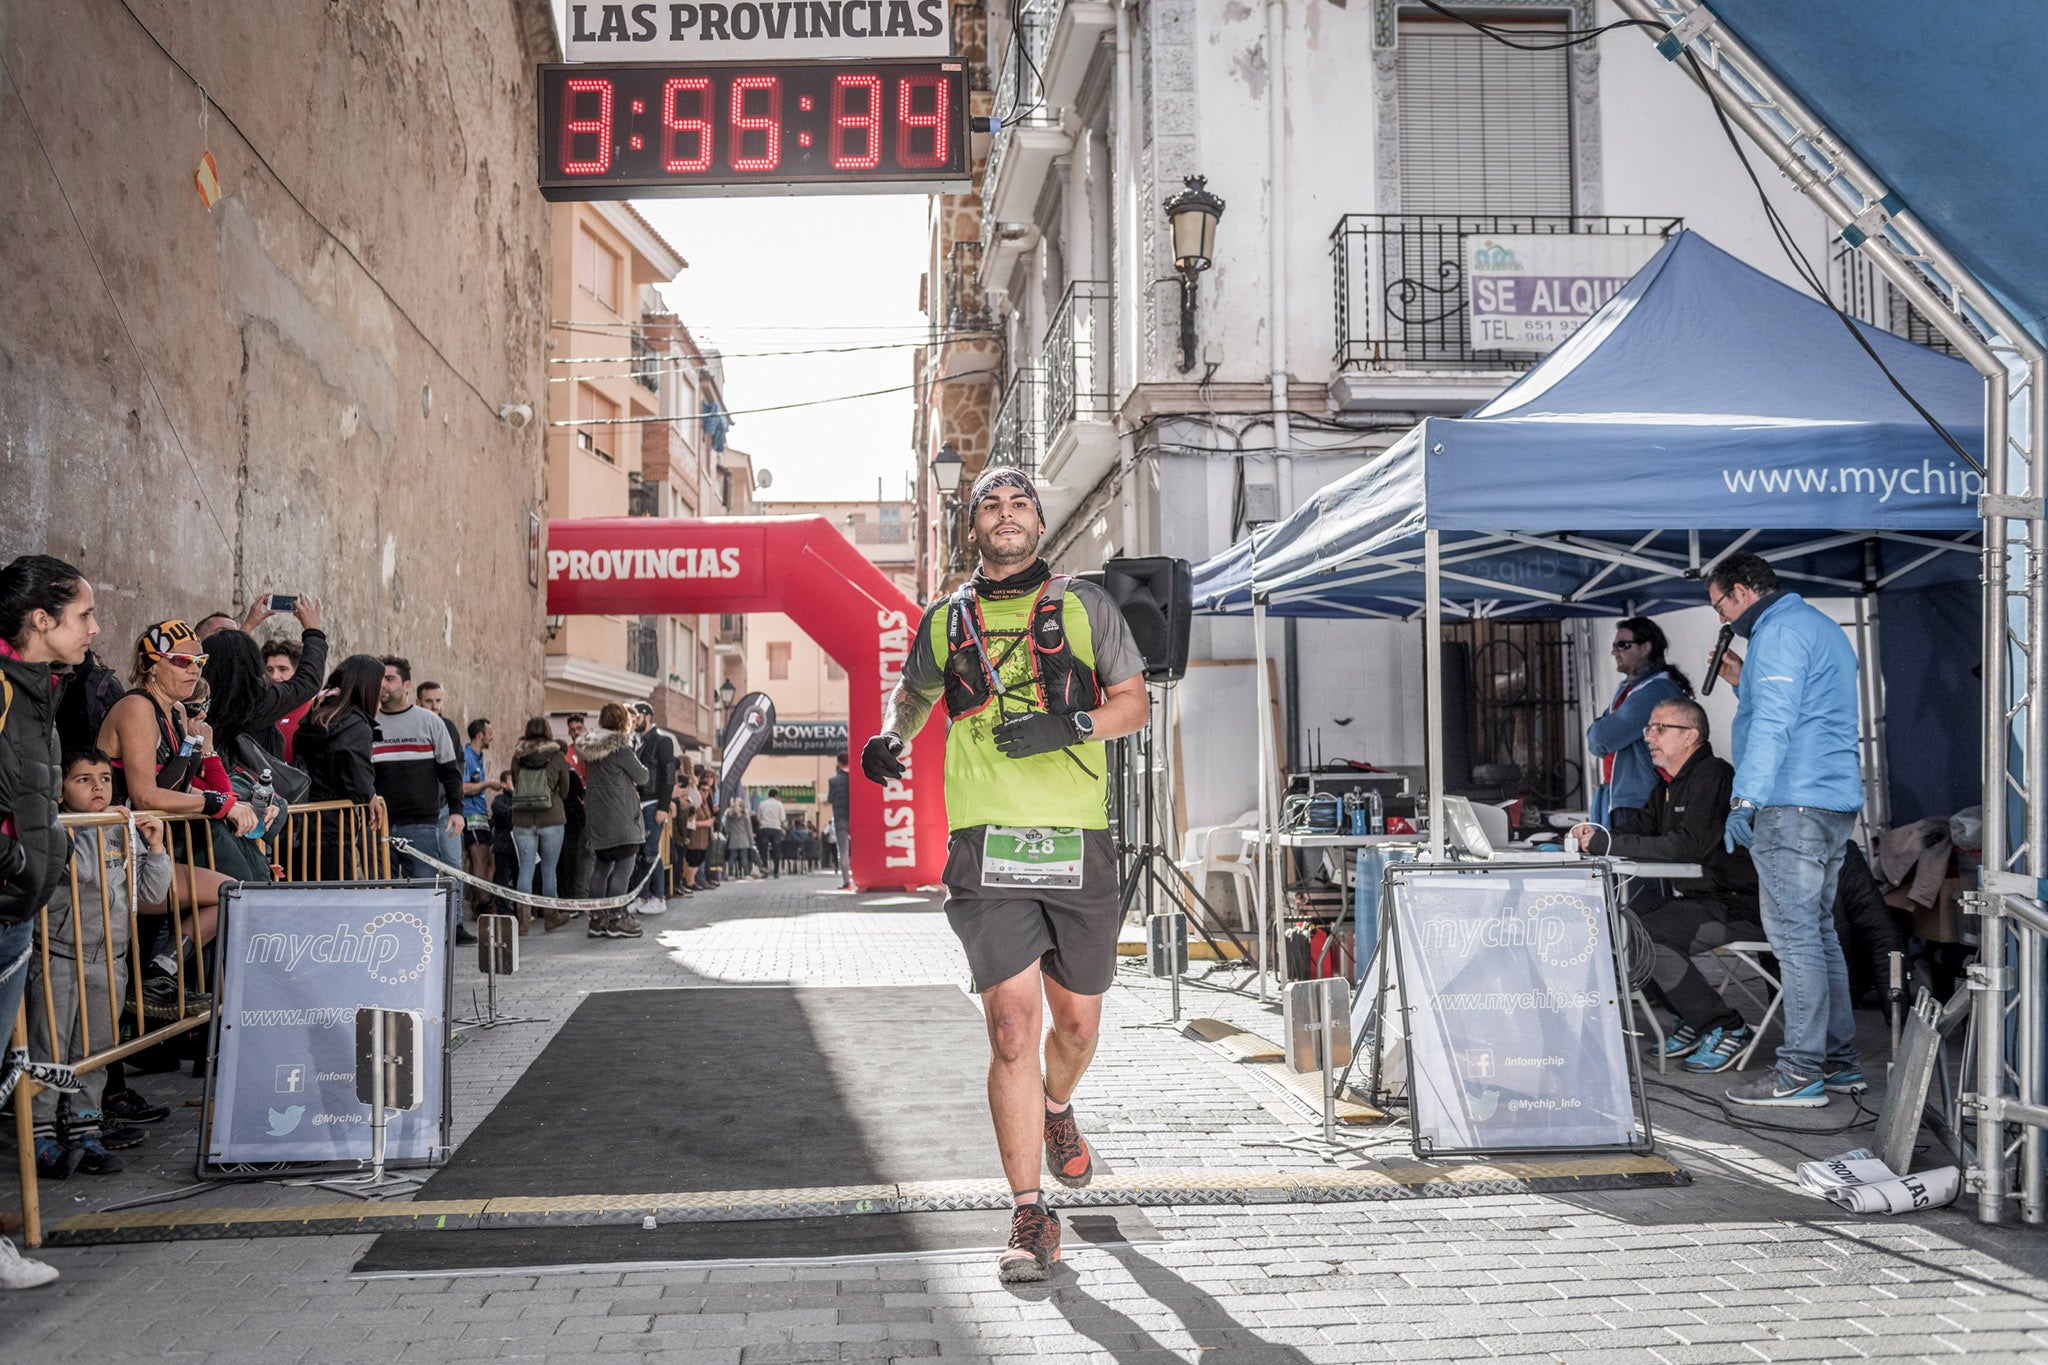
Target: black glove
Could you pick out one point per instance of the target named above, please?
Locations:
(879, 759)
(1041, 732)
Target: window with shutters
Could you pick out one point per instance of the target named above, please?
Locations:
(598, 269)
(1485, 128)
(778, 661)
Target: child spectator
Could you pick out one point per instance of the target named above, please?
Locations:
(67, 1127)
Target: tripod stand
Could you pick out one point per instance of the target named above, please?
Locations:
(1146, 864)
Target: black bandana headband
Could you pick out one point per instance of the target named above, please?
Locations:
(1003, 476)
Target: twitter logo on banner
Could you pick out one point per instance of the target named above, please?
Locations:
(281, 1124)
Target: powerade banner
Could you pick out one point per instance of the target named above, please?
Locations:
(747, 731)
(1515, 1024)
(819, 738)
(297, 962)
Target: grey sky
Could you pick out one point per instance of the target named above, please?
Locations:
(781, 274)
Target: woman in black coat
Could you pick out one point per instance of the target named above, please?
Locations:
(333, 745)
(46, 623)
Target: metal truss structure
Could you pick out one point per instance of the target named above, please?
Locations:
(2007, 983)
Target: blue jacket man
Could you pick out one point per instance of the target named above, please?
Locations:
(1797, 789)
(1627, 774)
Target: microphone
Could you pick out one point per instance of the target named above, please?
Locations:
(1714, 664)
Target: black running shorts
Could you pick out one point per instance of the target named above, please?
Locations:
(1070, 932)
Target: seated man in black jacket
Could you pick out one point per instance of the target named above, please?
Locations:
(1682, 823)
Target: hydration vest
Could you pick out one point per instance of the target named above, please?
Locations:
(1061, 683)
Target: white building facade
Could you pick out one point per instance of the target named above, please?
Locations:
(1355, 146)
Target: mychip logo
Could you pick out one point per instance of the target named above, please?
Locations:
(395, 947)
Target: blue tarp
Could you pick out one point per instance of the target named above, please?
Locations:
(1706, 407)
(1945, 103)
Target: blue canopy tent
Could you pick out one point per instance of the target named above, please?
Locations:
(1707, 408)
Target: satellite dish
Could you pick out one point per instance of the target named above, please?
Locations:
(764, 478)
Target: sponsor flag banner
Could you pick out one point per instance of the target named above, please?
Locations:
(1530, 292)
(747, 732)
(1516, 1035)
(297, 961)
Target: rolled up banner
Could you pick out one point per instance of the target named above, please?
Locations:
(747, 732)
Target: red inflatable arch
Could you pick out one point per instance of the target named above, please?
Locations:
(802, 567)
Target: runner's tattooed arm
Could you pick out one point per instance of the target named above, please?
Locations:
(905, 712)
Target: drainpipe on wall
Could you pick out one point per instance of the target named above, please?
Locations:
(1124, 183)
(1276, 241)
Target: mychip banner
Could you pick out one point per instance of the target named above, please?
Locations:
(1516, 1024)
(297, 960)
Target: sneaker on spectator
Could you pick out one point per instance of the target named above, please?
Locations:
(93, 1156)
(599, 920)
(160, 999)
(1846, 1080)
(122, 1136)
(130, 1107)
(1718, 1050)
(653, 905)
(1779, 1089)
(1679, 1039)
(19, 1272)
(55, 1160)
(625, 925)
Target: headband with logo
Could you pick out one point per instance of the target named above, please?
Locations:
(1002, 476)
(168, 637)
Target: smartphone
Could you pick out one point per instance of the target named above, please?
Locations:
(284, 601)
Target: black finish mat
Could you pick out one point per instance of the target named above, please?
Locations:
(735, 1088)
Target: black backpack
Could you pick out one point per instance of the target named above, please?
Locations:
(90, 691)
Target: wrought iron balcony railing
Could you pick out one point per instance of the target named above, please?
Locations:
(967, 307)
(1014, 439)
(643, 647)
(1078, 356)
(1400, 284)
(1020, 93)
(645, 366)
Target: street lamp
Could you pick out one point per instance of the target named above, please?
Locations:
(727, 693)
(1192, 215)
(946, 467)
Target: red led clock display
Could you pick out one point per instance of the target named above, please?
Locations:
(653, 130)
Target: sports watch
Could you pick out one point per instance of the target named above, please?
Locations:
(1084, 724)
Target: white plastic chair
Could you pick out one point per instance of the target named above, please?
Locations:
(1220, 849)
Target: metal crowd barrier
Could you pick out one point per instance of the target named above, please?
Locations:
(320, 841)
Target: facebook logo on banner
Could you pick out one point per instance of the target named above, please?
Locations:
(291, 1080)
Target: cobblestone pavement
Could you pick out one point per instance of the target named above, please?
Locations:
(1739, 1266)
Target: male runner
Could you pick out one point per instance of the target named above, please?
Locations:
(1036, 671)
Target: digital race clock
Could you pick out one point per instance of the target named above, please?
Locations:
(661, 130)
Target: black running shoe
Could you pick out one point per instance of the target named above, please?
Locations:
(130, 1107)
(1034, 1245)
(121, 1136)
(1067, 1153)
(94, 1158)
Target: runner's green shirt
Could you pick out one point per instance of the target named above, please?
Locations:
(982, 786)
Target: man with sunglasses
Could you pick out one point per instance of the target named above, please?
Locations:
(1798, 786)
(1684, 822)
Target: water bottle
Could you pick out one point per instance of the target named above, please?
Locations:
(260, 797)
(1376, 811)
(1353, 817)
(189, 747)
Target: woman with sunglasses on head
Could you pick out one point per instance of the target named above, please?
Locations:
(1627, 773)
(164, 764)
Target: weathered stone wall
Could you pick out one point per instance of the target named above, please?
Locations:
(197, 405)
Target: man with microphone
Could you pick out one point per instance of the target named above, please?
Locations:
(1798, 786)
(1036, 670)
